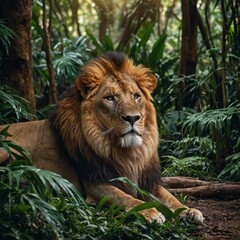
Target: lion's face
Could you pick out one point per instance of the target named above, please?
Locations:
(119, 108)
(116, 110)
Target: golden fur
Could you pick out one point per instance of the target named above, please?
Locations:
(94, 125)
(105, 124)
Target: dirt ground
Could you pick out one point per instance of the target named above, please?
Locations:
(222, 218)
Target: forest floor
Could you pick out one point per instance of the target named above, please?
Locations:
(222, 218)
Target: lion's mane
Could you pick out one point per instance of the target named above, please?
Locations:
(95, 155)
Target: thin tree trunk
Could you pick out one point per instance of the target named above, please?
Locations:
(47, 48)
(188, 60)
(217, 102)
(103, 20)
(143, 10)
(223, 61)
(105, 9)
(208, 44)
(75, 7)
(168, 15)
(59, 15)
(16, 70)
(235, 6)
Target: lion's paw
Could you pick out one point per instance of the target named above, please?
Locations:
(192, 215)
(152, 215)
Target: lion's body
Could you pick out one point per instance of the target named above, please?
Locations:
(38, 139)
(105, 125)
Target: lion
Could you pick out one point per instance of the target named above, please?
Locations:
(104, 127)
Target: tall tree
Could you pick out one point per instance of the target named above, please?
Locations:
(75, 6)
(47, 48)
(188, 61)
(104, 10)
(16, 70)
(139, 13)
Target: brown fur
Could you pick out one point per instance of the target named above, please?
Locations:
(81, 131)
(90, 126)
(106, 126)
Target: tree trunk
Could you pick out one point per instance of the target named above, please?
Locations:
(139, 14)
(17, 67)
(218, 100)
(207, 39)
(75, 7)
(224, 53)
(105, 8)
(58, 13)
(47, 48)
(188, 59)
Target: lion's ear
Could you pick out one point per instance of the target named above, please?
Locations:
(82, 84)
(150, 82)
(147, 81)
(86, 84)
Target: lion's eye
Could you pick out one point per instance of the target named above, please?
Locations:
(136, 96)
(110, 98)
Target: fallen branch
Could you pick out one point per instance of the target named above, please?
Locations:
(203, 189)
(183, 182)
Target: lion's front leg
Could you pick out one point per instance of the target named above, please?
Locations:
(190, 214)
(95, 192)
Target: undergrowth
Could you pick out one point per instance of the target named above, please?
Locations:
(39, 204)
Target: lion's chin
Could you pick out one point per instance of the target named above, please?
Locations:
(130, 140)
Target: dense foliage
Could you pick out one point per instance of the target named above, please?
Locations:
(198, 113)
(30, 209)
(200, 134)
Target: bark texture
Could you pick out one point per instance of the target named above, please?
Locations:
(188, 60)
(48, 51)
(203, 189)
(16, 70)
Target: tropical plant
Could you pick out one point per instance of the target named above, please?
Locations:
(105, 45)
(189, 166)
(30, 209)
(68, 56)
(190, 156)
(231, 171)
(6, 35)
(222, 127)
(13, 108)
(27, 199)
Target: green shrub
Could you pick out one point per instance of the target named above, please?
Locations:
(13, 108)
(30, 209)
(222, 127)
(6, 35)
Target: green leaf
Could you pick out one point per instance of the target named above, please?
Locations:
(140, 207)
(178, 212)
(96, 42)
(168, 214)
(102, 203)
(4, 133)
(157, 51)
(108, 44)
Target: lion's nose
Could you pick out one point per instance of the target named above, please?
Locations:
(131, 119)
